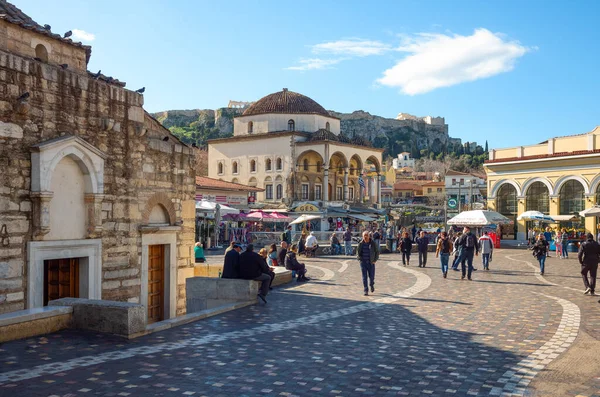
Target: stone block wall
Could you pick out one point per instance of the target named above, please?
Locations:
(138, 166)
(21, 41)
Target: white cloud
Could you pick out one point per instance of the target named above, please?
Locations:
(315, 64)
(82, 35)
(438, 60)
(352, 47)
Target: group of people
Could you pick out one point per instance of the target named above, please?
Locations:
(260, 266)
(465, 246)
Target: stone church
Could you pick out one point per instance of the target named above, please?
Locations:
(96, 197)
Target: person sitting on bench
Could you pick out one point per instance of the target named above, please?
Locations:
(311, 245)
(291, 263)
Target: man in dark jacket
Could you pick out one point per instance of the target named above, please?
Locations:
(282, 253)
(347, 242)
(589, 255)
(251, 268)
(287, 235)
(231, 267)
(367, 254)
(469, 247)
(422, 244)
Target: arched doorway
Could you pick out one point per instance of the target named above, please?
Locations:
(572, 197)
(571, 202)
(507, 205)
(537, 199)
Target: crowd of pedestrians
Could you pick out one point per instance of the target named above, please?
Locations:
(462, 247)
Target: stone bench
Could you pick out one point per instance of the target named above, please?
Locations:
(119, 318)
(204, 293)
(32, 322)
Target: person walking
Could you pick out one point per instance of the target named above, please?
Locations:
(558, 244)
(422, 245)
(414, 231)
(443, 249)
(548, 237)
(564, 244)
(347, 242)
(469, 248)
(367, 254)
(406, 248)
(377, 239)
(540, 251)
(252, 268)
(287, 235)
(486, 247)
(589, 256)
(457, 252)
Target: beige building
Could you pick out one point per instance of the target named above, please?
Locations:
(559, 177)
(290, 146)
(96, 197)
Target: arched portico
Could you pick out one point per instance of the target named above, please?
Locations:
(545, 181)
(561, 181)
(500, 183)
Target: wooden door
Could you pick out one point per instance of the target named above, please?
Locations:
(61, 279)
(156, 282)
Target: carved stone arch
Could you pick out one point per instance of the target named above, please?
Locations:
(594, 184)
(159, 199)
(498, 185)
(560, 182)
(45, 157)
(530, 181)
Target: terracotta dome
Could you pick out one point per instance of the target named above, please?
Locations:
(286, 102)
(323, 135)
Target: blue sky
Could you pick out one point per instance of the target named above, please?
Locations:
(511, 72)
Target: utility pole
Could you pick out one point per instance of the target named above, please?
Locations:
(459, 199)
(471, 193)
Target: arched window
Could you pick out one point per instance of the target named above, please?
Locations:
(250, 127)
(235, 180)
(234, 167)
(305, 164)
(279, 192)
(327, 126)
(41, 52)
(571, 197)
(507, 199)
(268, 164)
(220, 168)
(318, 166)
(291, 125)
(537, 198)
(279, 164)
(252, 165)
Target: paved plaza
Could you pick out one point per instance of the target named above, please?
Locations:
(507, 332)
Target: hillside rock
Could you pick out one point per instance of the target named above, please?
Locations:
(380, 130)
(392, 134)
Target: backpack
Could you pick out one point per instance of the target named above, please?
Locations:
(470, 241)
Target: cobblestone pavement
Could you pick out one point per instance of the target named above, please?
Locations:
(508, 332)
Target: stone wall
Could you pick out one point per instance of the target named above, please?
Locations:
(139, 165)
(24, 42)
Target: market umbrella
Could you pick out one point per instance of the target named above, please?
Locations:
(535, 216)
(303, 218)
(209, 206)
(258, 215)
(594, 211)
(478, 218)
(279, 217)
